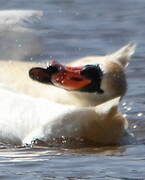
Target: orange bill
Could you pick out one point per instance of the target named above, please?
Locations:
(82, 78)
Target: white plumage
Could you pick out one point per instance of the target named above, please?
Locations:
(24, 118)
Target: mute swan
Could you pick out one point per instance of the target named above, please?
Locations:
(113, 83)
(59, 115)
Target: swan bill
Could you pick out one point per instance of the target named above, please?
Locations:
(82, 78)
(40, 74)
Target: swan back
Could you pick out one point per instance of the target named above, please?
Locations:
(24, 119)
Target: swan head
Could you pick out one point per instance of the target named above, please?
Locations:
(85, 78)
(92, 80)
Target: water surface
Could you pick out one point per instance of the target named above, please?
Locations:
(65, 30)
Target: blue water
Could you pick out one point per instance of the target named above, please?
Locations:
(69, 29)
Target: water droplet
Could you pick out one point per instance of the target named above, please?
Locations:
(31, 59)
(129, 108)
(64, 141)
(124, 115)
(125, 107)
(124, 104)
(139, 114)
(135, 126)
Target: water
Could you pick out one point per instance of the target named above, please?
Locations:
(65, 30)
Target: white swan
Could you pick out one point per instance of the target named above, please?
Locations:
(24, 118)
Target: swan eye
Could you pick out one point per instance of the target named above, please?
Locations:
(91, 71)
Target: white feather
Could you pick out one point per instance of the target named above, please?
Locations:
(25, 118)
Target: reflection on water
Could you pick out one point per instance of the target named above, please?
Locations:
(68, 30)
(97, 163)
